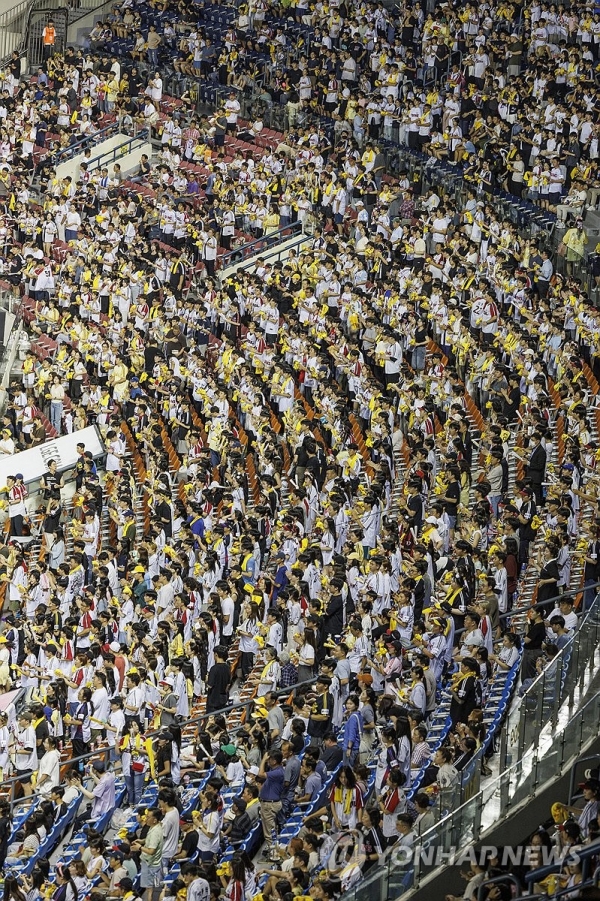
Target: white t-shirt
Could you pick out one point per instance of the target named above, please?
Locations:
(25, 742)
(101, 703)
(49, 766)
(228, 608)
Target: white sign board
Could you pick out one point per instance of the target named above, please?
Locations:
(33, 463)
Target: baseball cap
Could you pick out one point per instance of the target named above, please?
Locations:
(590, 784)
(230, 749)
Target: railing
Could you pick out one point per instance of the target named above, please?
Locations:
(67, 153)
(115, 153)
(541, 735)
(13, 24)
(245, 706)
(268, 241)
(450, 838)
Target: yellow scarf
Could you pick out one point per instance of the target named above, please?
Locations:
(345, 797)
(264, 676)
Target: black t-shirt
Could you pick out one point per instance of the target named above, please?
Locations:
(453, 492)
(323, 705)
(420, 335)
(190, 842)
(52, 482)
(42, 732)
(548, 571)
(537, 635)
(415, 505)
(52, 521)
(163, 515)
(219, 678)
(373, 843)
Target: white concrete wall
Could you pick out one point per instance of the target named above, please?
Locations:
(86, 23)
(128, 161)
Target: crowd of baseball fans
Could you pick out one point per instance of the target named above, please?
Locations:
(328, 475)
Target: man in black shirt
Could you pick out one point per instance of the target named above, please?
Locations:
(331, 754)
(188, 838)
(51, 482)
(239, 828)
(218, 682)
(452, 497)
(414, 504)
(164, 514)
(512, 396)
(80, 465)
(319, 721)
(42, 730)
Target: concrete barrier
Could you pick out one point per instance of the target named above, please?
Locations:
(117, 149)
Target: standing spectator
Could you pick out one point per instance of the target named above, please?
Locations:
(272, 778)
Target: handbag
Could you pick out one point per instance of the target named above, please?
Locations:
(137, 766)
(365, 747)
(561, 250)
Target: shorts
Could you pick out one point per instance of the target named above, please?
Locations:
(150, 877)
(24, 776)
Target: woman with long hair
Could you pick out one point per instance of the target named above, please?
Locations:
(242, 881)
(66, 890)
(306, 652)
(353, 730)
(79, 723)
(134, 761)
(368, 706)
(248, 630)
(346, 800)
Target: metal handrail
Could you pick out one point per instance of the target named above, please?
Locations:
(497, 880)
(246, 250)
(67, 153)
(112, 154)
(99, 752)
(521, 611)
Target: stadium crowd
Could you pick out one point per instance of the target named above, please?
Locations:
(329, 473)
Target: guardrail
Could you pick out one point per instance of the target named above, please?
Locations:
(451, 837)
(266, 243)
(246, 706)
(67, 153)
(115, 153)
(542, 731)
